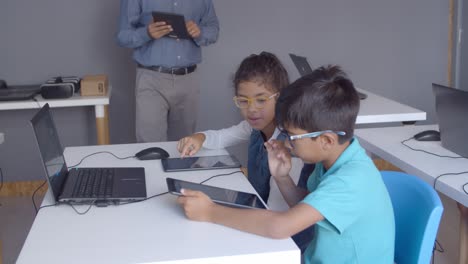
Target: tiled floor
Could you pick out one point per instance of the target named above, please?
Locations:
(17, 214)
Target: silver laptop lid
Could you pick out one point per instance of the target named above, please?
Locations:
(50, 149)
(452, 109)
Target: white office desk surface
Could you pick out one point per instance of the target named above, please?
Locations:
(386, 143)
(153, 231)
(378, 109)
(75, 100)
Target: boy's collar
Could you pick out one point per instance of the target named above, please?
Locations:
(347, 153)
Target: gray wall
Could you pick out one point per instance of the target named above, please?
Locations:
(393, 48)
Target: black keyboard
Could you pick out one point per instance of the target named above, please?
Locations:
(94, 183)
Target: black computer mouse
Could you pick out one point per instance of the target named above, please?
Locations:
(428, 135)
(152, 153)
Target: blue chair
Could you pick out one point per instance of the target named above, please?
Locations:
(418, 209)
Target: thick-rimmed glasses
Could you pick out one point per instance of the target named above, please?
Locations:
(258, 101)
(309, 135)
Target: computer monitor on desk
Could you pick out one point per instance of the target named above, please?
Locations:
(452, 110)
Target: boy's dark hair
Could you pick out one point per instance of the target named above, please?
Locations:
(323, 100)
(264, 68)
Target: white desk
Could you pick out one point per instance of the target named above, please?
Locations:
(377, 109)
(386, 143)
(99, 103)
(153, 231)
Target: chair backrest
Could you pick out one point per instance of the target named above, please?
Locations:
(418, 209)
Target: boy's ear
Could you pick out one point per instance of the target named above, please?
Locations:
(328, 140)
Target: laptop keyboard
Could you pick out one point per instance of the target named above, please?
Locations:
(94, 183)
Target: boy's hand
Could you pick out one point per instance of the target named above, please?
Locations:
(279, 159)
(197, 205)
(193, 29)
(158, 30)
(190, 145)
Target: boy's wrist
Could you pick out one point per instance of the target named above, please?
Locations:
(281, 178)
(212, 213)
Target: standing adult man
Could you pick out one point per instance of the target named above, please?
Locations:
(167, 83)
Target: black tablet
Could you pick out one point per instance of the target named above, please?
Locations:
(218, 195)
(200, 163)
(179, 30)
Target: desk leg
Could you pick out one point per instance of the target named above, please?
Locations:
(102, 124)
(463, 257)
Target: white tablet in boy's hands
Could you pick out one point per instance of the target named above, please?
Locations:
(218, 195)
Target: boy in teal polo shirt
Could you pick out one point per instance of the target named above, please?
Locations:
(346, 197)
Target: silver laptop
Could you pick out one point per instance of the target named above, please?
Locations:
(452, 110)
(304, 68)
(100, 186)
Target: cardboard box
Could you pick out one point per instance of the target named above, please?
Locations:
(93, 85)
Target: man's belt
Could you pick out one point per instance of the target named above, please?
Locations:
(175, 71)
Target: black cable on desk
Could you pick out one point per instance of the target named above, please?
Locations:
(449, 173)
(32, 197)
(35, 100)
(427, 152)
(99, 152)
(151, 197)
(218, 175)
(441, 156)
(437, 248)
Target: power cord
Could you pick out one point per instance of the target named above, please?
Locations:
(71, 205)
(451, 173)
(435, 249)
(427, 152)
(34, 194)
(35, 100)
(94, 202)
(219, 175)
(441, 156)
(151, 197)
(84, 212)
(100, 152)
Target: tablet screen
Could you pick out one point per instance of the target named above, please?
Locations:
(176, 21)
(200, 163)
(218, 195)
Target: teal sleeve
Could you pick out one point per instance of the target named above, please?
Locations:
(337, 202)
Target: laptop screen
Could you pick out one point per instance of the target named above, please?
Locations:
(301, 64)
(50, 149)
(451, 110)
